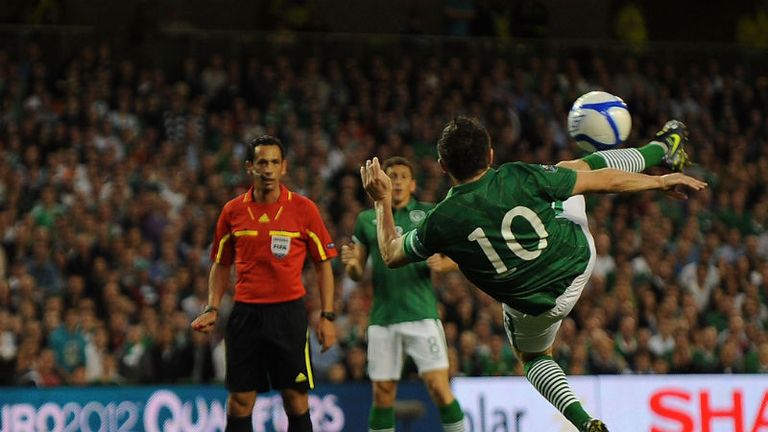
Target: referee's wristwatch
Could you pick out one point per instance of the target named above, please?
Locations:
(330, 316)
(210, 308)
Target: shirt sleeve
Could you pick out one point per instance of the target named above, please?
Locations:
(321, 246)
(359, 235)
(223, 247)
(554, 183)
(417, 243)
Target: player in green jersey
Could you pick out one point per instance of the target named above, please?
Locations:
(520, 234)
(404, 317)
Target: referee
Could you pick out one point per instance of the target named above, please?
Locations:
(266, 233)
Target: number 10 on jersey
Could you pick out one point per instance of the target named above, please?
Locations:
(529, 215)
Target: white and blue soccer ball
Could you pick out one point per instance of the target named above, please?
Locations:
(599, 121)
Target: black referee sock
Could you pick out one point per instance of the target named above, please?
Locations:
(299, 422)
(239, 424)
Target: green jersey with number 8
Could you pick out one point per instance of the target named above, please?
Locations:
(402, 294)
(507, 235)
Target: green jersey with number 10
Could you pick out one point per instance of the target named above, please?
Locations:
(507, 235)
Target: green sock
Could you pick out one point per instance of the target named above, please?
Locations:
(549, 379)
(628, 159)
(381, 419)
(452, 417)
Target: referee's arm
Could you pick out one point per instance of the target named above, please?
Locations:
(218, 281)
(326, 332)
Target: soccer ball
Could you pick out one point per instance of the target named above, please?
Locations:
(599, 121)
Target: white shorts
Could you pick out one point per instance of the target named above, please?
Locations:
(423, 340)
(533, 334)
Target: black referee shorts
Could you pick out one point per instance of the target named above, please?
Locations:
(267, 347)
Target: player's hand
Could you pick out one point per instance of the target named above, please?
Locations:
(375, 181)
(672, 183)
(326, 334)
(350, 254)
(205, 321)
(440, 263)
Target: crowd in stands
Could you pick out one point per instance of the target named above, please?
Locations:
(113, 173)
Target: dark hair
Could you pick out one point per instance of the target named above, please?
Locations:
(463, 147)
(260, 141)
(398, 160)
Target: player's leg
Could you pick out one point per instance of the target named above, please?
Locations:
(533, 336)
(439, 387)
(425, 342)
(668, 147)
(290, 366)
(245, 368)
(385, 363)
(382, 414)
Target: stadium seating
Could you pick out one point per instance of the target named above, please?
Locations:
(112, 173)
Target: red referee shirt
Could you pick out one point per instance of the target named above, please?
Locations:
(268, 244)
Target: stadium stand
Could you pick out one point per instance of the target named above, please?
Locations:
(112, 172)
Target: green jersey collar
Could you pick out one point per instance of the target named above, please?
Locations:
(408, 207)
(469, 187)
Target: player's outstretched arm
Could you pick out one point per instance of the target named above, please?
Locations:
(575, 164)
(379, 187)
(611, 180)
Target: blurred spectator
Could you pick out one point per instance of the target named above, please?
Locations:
(730, 359)
(200, 356)
(167, 362)
(8, 349)
(604, 360)
(337, 374)
(96, 351)
(643, 364)
(626, 337)
(41, 267)
(757, 361)
(77, 377)
(681, 358)
(355, 364)
(68, 342)
(705, 357)
(469, 358)
(500, 360)
(605, 265)
(45, 373)
(700, 278)
(663, 342)
(134, 362)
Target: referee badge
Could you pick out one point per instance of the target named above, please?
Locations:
(280, 246)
